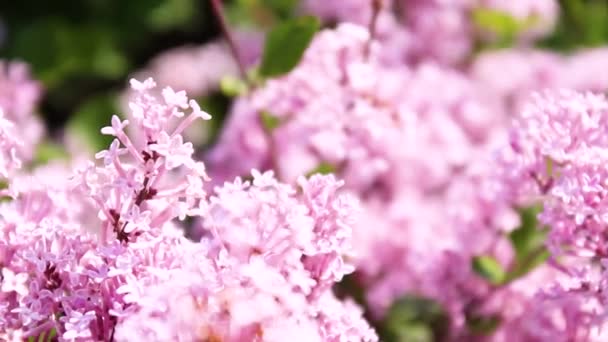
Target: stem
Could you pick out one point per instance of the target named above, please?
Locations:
(218, 10)
(376, 7)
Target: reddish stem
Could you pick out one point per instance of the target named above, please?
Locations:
(218, 10)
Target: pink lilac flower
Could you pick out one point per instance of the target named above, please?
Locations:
(74, 269)
(189, 68)
(555, 155)
(198, 70)
(20, 130)
(355, 113)
(437, 183)
(583, 70)
(443, 31)
(528, 70)
(266, 248)
(532, 70)
(86, 277)
(540, 16)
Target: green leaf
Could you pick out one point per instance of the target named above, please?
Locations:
(171, 14)
(532, 259)
(483, 325)
(528, 243)
(232, 86)
(90, 117)
(269, 121)
(58, 49)
(52, 335)
(528, 235)
(217, 105)
(48, 151)
(488, 268)
(505, 26)
(282, 8)
(323, 168)
(3, 186)
(414, 318)
(350, 287)
(285, 45)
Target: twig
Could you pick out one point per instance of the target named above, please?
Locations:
(218, 9)
(376, 7)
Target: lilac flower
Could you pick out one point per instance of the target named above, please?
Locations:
(417, 31)
(20, 130)
(173, 149)
(260, 252)
(354, 113)
(77, 325)
(14, 282)
(129, 272)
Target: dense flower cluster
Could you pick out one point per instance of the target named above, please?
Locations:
(266, 248)
(408, 179)
(18, 97)
(130, 272)
(532, 70)
(350, 114)
(355, 117)
(444, 31)
(429, 172)
(555, 156)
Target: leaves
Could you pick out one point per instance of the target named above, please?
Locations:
(323, 168)
(269, 121)
(90, 117)
(503, 25)
(217, 105)
(413, 318)
(45, 336)
(285, 45)
(581, 24)
(528, 242)
(232, 86)
(47, 151)
(483, 325)
(489, 268)
(65, 50)
(171, 13)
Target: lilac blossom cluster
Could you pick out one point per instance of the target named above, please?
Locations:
(445, 31)
(18, 97)
(434, 193)
(102, 255)
(392, 156)
(555, 157)
(357, 116)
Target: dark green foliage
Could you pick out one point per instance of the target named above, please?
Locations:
(285, 45)
(489, 268)
(323, 168)
(415, 319)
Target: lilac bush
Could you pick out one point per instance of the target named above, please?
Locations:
(422, 171)
(130, 272)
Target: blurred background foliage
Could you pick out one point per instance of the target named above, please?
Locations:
(83, 50)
